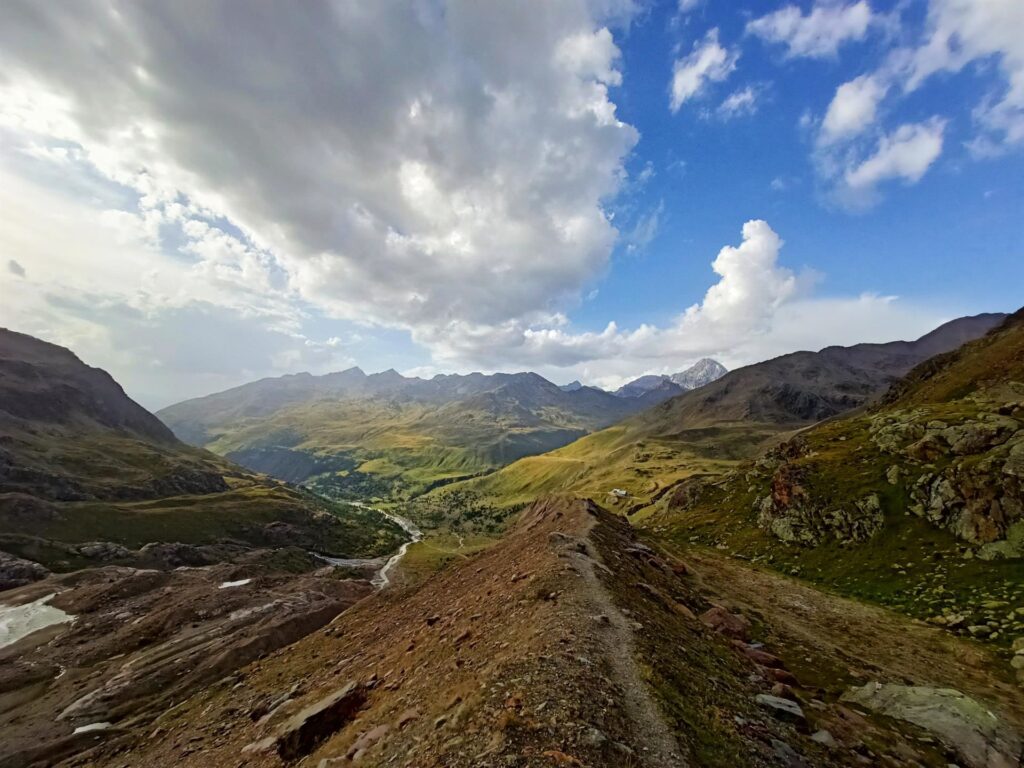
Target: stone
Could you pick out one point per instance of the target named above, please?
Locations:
(593, 737)
(367, 740)
(17, 572)
(783, 691)
(763, 658)
(782, 676)
(824, 738)
(783, 709)
(962, 724)
(789, 756)
(303, 731)
(407, 717)
(726, 623)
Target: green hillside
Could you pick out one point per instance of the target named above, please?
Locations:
(394, 437)
(87, 474)
(708, 430)
(917, 502)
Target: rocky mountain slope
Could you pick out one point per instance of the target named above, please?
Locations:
(804, 387)
(68, 432)
(573, 643)
(353, 435)
(663, 387)
(88, 476)
(705, 431)
(917, 502)
(136, 570)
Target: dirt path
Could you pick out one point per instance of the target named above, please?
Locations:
(661, 747)
(834, 641)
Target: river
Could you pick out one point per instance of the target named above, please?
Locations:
(381, 578)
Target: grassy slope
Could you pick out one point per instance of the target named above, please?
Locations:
(910, 564)
(239, 515)
(624, 456)
(402, 448)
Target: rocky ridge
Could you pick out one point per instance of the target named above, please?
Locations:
(570, 642)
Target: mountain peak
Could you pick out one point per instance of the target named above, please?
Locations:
(703, 372)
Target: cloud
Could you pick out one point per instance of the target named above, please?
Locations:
(817, 34)
(905, 154)
(957, 33)
(852, 109)
(739, 103)
(963, 31)
(645, 230)
(403, 165)
(707, 62)
(751, 287)
(756, 309)
(15, 268)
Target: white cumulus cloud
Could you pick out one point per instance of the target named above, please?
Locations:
(905, 154)
(708, 62)
(853, 108)
(816, 34)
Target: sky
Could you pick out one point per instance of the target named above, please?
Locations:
(198, 194)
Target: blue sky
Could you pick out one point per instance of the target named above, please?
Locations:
(951, 240)
(592, 189)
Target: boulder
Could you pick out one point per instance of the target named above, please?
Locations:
(16, 572)
(725, 623)
(962, 724)
(303, 731)
(783, 709)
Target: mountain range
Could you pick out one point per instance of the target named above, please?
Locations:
(815, 560)
(711, 428)
(355, 434)
(85, 473)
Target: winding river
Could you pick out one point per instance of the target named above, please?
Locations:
(381, 578)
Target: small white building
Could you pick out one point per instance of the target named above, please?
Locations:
(618, 493)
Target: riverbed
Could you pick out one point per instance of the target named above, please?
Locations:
(381, 577)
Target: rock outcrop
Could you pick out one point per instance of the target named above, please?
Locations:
(964, 725)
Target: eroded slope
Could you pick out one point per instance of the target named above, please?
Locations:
(567, 643)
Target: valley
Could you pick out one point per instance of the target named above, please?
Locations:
(352, 435)
(735, 601)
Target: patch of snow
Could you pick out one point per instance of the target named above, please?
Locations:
(230, 584)
(18, 621)
(91, 727)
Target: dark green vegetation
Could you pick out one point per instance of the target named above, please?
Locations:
(915, 502)
(88, 475)
(350, 435)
